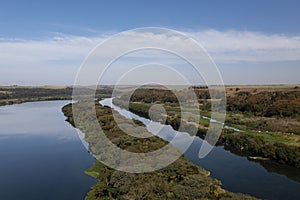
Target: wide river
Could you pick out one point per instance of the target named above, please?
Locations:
(42, 157)
(237, 174)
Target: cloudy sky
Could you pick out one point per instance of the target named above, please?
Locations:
(251, 42)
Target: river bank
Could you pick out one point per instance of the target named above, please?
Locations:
(247, 143)
(262, 178)
(179, 180)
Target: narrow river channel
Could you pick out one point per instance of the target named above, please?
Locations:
(237, 174)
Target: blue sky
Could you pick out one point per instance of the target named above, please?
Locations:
(262, 29)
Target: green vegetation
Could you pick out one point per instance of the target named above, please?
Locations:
(259, 145)
(255, 101)
(270, 136)
(180, 180)
(177, 181)
(13, 95)
(267, 103)
(20, 94)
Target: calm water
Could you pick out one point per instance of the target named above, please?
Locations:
(41, 155)
(237, 173)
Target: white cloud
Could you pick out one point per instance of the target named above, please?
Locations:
(240, 46)
(27, 52)
(229, 46)
(65, 52)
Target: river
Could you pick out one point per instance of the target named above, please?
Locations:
(41, 155)
(237, 173)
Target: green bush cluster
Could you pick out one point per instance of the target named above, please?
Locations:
(266, 103)
(251, 145)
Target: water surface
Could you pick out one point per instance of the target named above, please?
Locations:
(41, 155)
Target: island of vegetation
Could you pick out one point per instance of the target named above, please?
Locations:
(180, 180)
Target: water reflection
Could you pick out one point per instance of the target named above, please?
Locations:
(41, 155)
